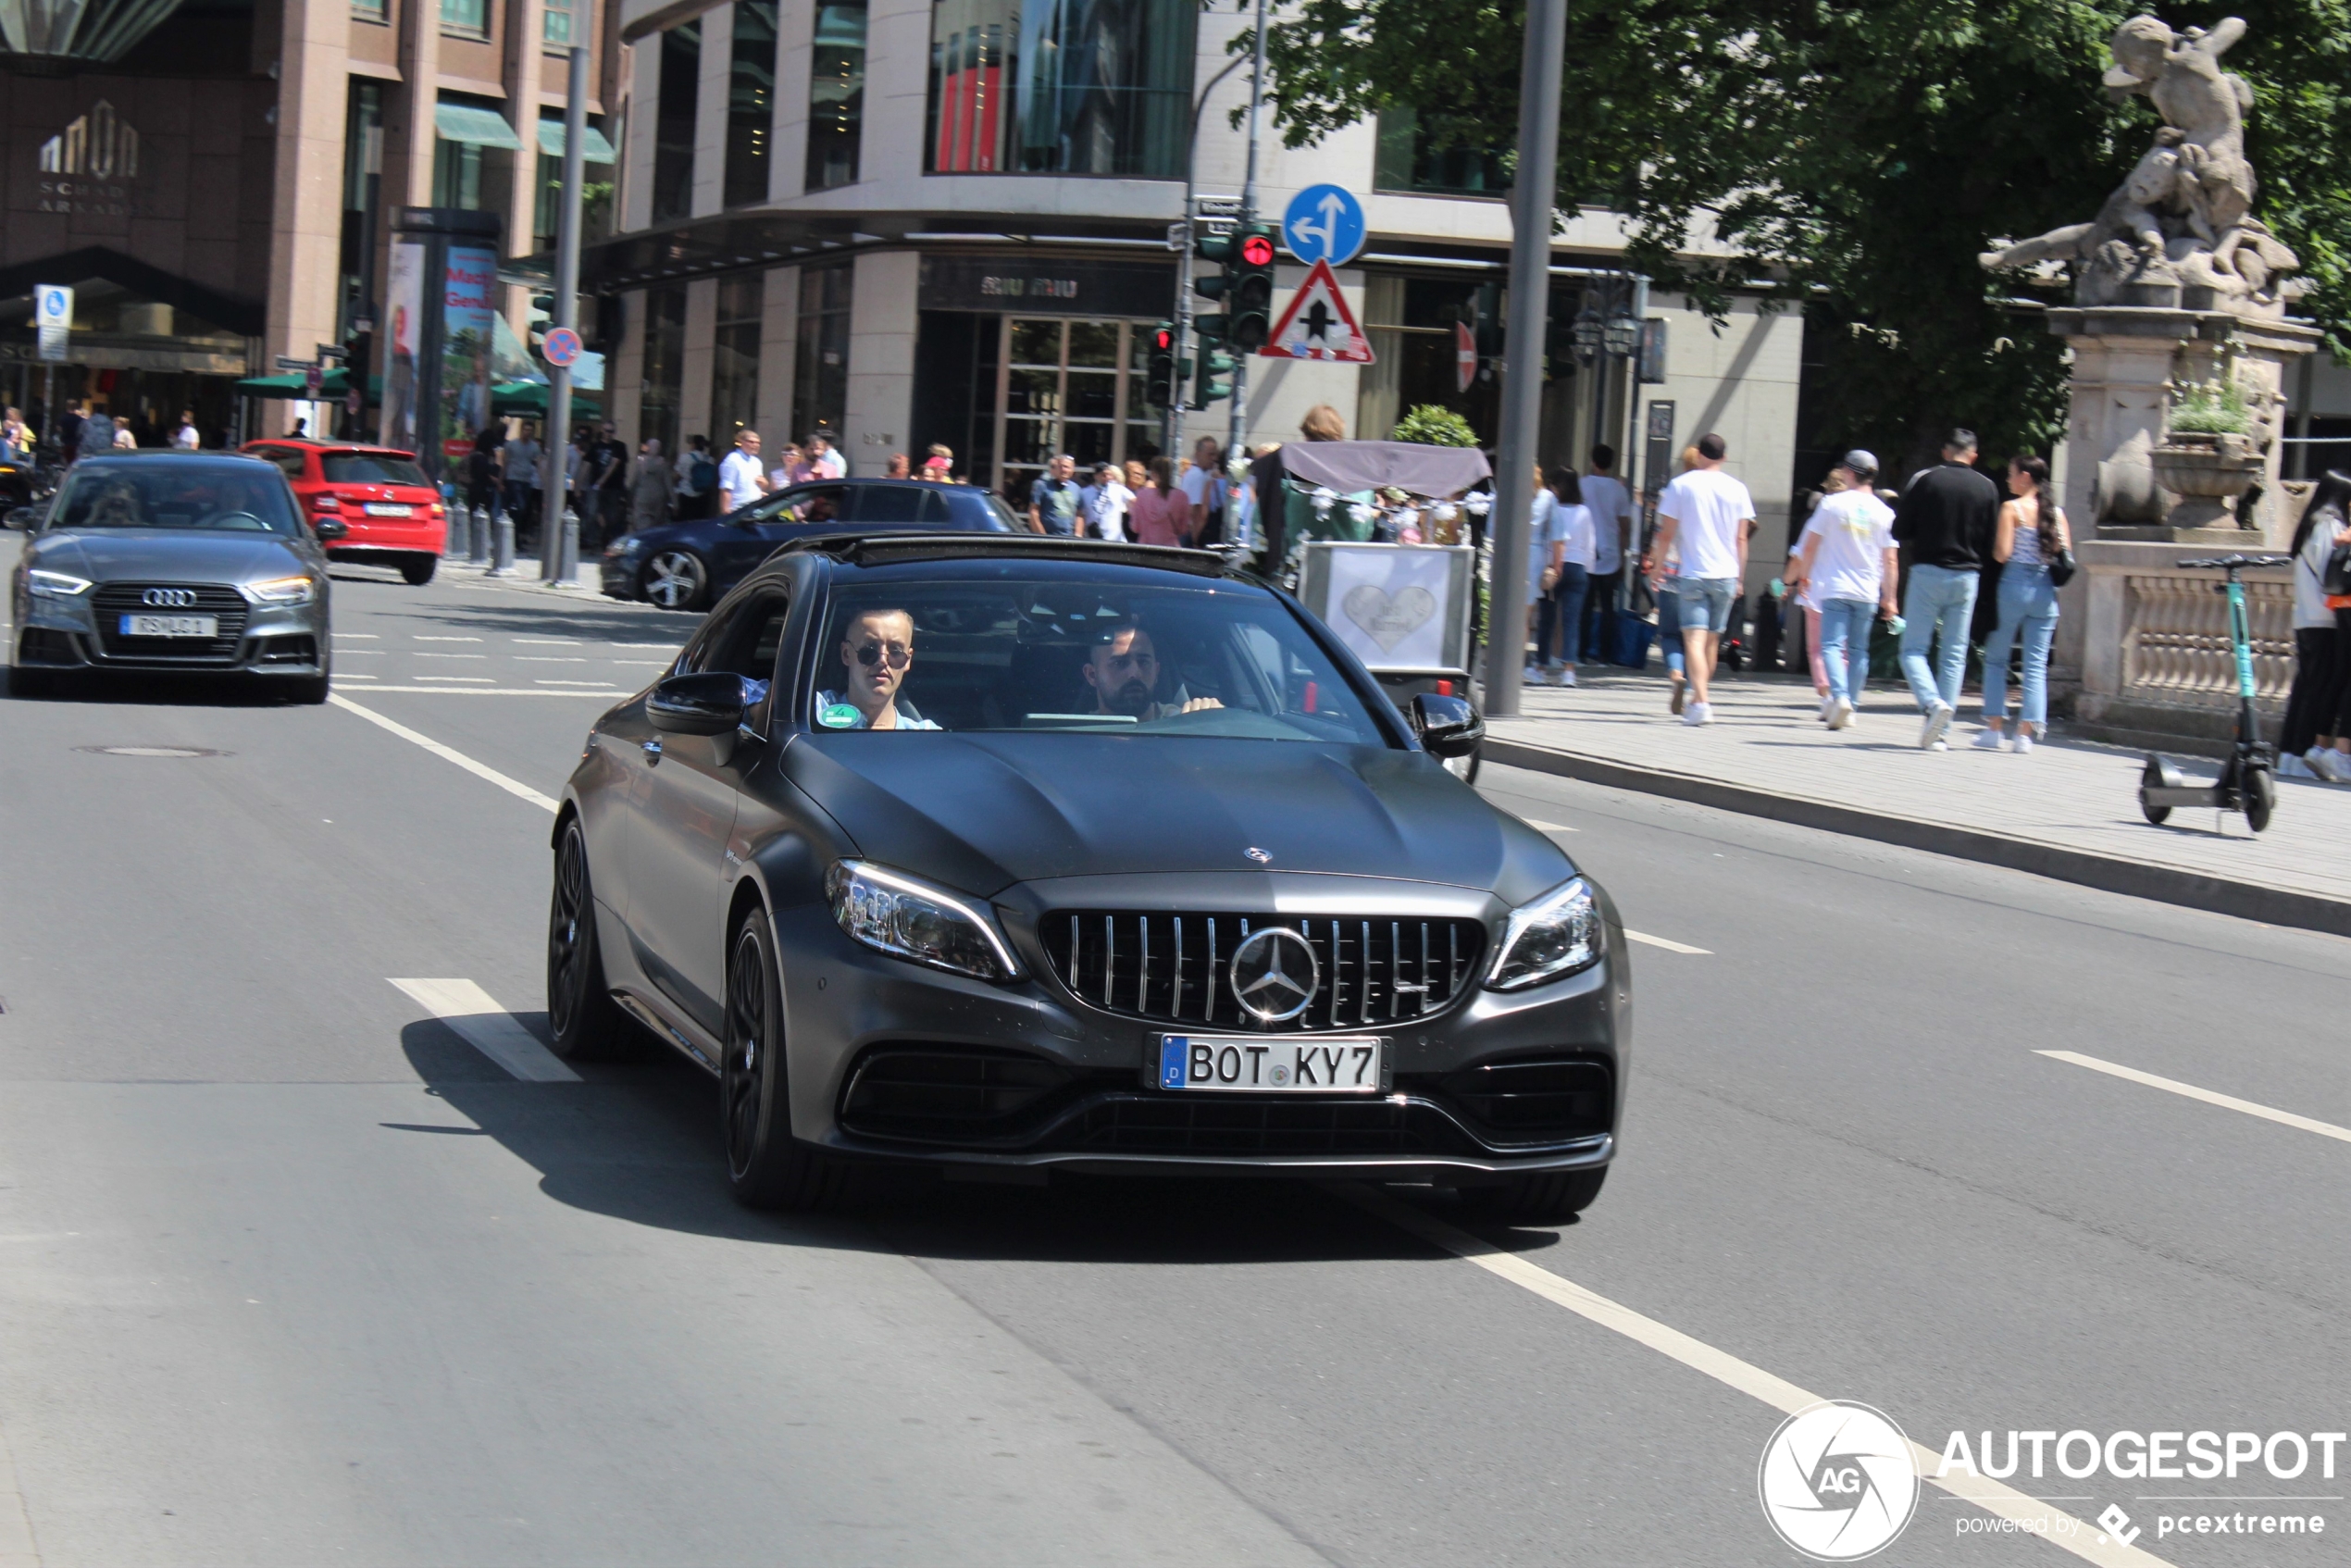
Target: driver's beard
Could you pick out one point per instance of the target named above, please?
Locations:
(1135, 697)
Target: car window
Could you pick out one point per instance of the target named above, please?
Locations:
(968, 506)
(371, 467)
(914, 504)
(222, 495)
(805, 503)
(747, 642)
(295, 463)
(990, 646)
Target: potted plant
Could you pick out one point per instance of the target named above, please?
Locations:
(2208, 456)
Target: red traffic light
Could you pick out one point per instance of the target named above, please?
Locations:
(1163, 339)
(1257, 251)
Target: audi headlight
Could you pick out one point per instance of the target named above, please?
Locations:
(281, 591)
(56, 585)
(911, 919)
(1555, 935)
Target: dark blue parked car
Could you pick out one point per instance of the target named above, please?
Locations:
(685, 565)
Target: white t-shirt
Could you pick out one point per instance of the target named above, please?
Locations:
(1573, 525)
(1710, 509)
(738, 480)
(1203, 484)
(1855, 529)
(2309, 574)
(1542, 532)
(1606, 495)
(1105, 508)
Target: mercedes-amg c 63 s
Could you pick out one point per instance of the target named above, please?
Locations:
(1006, 853)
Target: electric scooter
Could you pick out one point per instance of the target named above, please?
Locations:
(2248, 781)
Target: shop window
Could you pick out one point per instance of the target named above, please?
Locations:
(1074, 387)
(1417, 151)
(751, 101)
(665, 364)
(836, 95)
(371, 10)
(678, 91)
(734, 375)
(1061, 86)
(820, 369)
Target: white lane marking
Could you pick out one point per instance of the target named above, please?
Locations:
(540, 680)
(489, 1028)
(447, 754)
(505, 691)
(355, 675)
(358, 637)
(449, 655)
(1670, 947)
(2227, 1101)
(662, 647)
(422, 638)
(362, 654)
(1549, 826)
(642, 664)
(2053, 1525)
(549, 659)
(548, 641)
(469, 680)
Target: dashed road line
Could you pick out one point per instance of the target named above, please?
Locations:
(489, 1028)
(420, 637)
(549, 659)
(514, 787)
(358, 637)
(449, 655)
(1643, 938)
(2210, 1097)
(542, 681)
(548, 641)
(1549, 826)
(448, 690)
(2052, 1525)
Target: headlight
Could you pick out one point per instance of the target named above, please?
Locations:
(281, 591)
(56, 585)
(913, 920)
(1555, 935)
(626, 548)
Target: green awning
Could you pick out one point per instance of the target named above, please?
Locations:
(468, 122)
(529, 399)
(336, 382)
(593, 147)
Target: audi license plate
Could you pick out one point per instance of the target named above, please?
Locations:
(1254, 1065)
(170, 626)
(389, 509)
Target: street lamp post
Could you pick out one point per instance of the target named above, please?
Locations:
(566, 311)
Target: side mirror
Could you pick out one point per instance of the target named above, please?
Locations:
(329, 528)
(24, 520)
(1448, 727)
(710, 703)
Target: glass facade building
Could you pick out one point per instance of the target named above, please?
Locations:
(1060, 87)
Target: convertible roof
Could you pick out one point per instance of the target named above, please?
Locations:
(876, 549)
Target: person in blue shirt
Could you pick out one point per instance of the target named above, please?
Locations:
(1053, 501)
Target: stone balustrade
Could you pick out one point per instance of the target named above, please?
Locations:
(2146, 643)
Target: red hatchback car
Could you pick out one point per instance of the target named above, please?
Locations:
(390, 513)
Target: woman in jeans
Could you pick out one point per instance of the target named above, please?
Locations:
(2030, 533)
(1572, 522)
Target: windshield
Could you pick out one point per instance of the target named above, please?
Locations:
(987, 645)
(371, 467)
(227, 496)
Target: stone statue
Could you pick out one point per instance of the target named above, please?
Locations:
(2179, 232)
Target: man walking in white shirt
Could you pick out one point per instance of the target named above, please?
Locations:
(1709, 512)
(742, 479)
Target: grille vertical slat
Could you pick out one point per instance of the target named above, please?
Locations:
(1354, 971)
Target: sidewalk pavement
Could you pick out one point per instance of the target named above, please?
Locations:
(2069, 810)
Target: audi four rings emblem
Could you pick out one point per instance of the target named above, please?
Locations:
(169, 598)
(1276, 974)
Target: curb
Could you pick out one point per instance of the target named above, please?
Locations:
(2136, 878)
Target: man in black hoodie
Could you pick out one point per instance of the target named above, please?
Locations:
(1946, 521)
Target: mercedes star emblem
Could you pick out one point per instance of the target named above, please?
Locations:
(1275, 974)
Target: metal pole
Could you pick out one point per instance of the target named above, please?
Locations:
(1175, 413)
(558, 433)
(1236, 429)
(1538, 146)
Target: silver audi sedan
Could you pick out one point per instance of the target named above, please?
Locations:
(183, 562)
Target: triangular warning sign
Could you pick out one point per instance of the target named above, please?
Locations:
(1317, 325)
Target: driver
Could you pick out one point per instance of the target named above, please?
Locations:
(1121, 669)
(877, 649)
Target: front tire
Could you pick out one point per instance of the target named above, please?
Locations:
(417, 569)
(2261, 798)
(767, 1166)
(587, 1023)
(675, 579)
(2151, 777)
(1544, 1197)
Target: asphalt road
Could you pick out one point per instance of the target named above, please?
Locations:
(291, 1272)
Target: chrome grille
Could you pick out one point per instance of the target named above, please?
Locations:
(110, 601)
(1177, 968)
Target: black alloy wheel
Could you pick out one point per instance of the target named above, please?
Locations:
(767, 1166)
(1544, 1197)
(587, 1023)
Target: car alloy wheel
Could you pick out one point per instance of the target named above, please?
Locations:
(587, 1023)
(766, 1165)
(676, 579)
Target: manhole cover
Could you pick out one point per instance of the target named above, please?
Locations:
(151, 751)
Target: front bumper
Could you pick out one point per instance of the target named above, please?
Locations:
(273, 640)
(1077, 1085)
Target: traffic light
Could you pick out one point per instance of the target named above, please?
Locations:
(1249, 292)
(1213, 327)
(1162, 387)
(1213, 361)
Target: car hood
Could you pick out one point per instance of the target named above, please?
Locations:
(111, 554)
(980, 813)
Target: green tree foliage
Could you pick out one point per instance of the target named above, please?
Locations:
(1856, 158)
(1433, 424)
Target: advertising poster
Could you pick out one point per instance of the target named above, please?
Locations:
(404, 303)
(467, 336)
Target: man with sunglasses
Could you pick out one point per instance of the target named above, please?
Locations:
(876, 650)
(1122, 670)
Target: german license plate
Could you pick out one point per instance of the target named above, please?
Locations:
(1254, 1065)
(170, 626)
(389, 509)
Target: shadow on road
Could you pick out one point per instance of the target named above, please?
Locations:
(638, 1141)
(151, 689)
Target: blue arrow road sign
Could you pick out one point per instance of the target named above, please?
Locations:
(1324, 223)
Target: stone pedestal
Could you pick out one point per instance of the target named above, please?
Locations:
(2127, 360)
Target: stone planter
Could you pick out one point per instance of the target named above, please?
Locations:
(2207, 472)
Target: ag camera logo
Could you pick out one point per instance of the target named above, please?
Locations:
(1838, 1482)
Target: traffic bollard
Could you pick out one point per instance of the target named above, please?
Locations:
(503, 562)
(479, 553)
(567, 563)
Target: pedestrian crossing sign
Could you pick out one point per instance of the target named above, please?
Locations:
(1318, 325)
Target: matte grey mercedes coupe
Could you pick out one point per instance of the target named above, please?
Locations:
(1008, 854)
